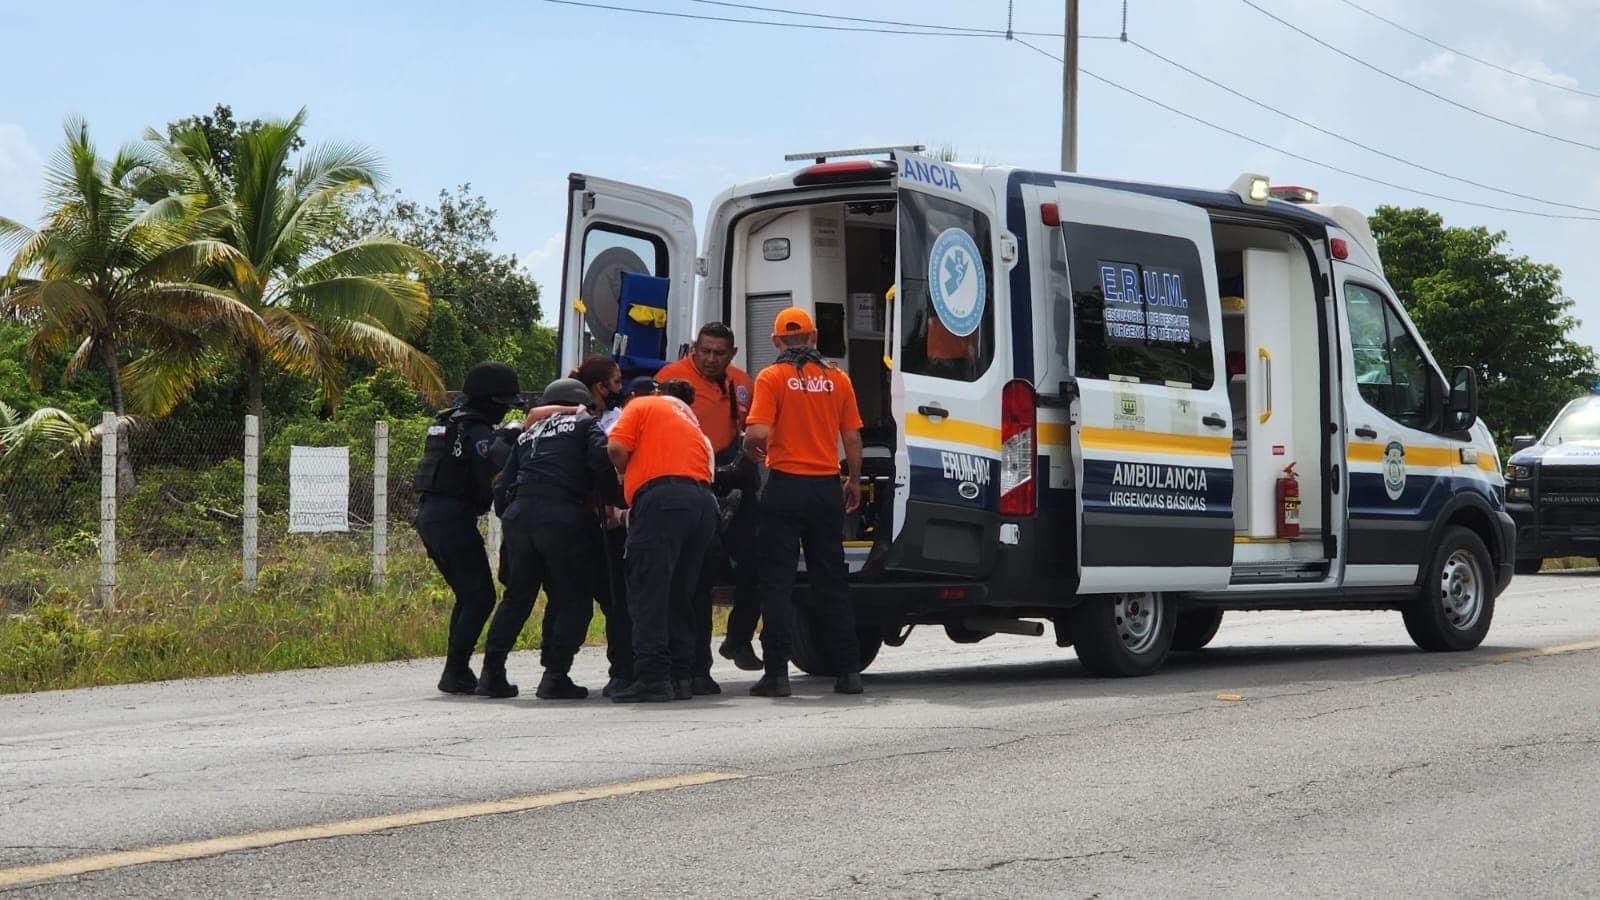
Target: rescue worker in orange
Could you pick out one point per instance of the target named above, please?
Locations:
(804, 410)
(722, 394)
(666, 469)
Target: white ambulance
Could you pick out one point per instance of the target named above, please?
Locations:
(1118, 408)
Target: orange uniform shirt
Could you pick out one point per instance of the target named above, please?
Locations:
(806, 411)
(721, 408)
(665, 440)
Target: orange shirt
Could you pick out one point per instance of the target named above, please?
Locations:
(806, 410)
(712, 405)
(665, 440)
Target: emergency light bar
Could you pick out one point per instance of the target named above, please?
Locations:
(1293, 193)
(822, 156)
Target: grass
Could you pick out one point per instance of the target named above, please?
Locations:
(1562, 563)
(183, 614)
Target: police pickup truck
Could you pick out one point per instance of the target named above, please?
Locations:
(1553, 487)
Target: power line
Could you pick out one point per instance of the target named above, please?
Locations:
(884, 27)
(1351, 141)
(985, 32)
(1293, 155)
(1465, 55)
(1417, 87)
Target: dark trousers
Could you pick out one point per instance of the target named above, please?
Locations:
(456, 548)
(556, 556)
(808, 511)
(735, 546)
(611, 591)
(670, 527)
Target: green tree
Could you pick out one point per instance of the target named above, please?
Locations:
(109, 271)
(361, 301)
(445, 344)
(493, 294)
(1478, 305)
(222, 134)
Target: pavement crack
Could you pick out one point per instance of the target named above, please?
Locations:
(1002, 863)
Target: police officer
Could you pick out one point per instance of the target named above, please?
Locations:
(558, 467)
(666, 464)
(803, 410)
(455, 479)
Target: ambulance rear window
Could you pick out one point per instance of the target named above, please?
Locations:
(1139, 306)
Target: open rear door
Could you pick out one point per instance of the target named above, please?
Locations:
(945, 381)
(1154, 436)
(613, 228)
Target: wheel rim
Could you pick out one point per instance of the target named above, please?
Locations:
(1138, 618)
(1461, 590)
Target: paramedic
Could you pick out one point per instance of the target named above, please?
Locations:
(666, 466)
(455, 477)
(803, 410)
(722, 399)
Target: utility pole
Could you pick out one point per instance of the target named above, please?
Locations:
(1069, 92)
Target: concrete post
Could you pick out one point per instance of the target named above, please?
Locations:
(380, 503)
(108, 510)
(252, 487)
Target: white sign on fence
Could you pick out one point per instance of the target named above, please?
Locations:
(319, 489)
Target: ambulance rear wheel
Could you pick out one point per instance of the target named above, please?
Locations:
(1527, 566)
(1196, 628)
(1124, 635)
(808, 654)
(1456, 603)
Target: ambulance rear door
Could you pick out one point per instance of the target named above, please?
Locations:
(615, 228)
(946, 374)
(1153, 439)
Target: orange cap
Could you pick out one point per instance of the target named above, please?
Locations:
(793, 320)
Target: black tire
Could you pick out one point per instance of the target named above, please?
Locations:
(964, 635)
(1124, 635)
(1456, 604)
(1196, 628)
(807, 654)
(1527, 566)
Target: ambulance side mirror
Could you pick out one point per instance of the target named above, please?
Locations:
(1462, 409)
(1522, 442)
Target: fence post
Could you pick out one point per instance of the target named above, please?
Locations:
(108, 510)
(252, 494)
(493, 544)
(380, 503)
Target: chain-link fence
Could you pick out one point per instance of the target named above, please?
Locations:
(212, 507)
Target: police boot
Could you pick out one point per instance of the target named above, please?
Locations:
(494, 683)
(458, 677)
(702, 685)
(743, 655)
(614, 684)
(682, 689)
(848, 683)
(559, 686)
(644, 692)
(772, 685)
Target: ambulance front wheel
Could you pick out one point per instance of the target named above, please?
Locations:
(1123, 635)
(809, 655)
(1453, 609)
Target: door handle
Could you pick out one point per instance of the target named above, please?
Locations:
(1214, 421)
(934, 412)
(1266, 375)
(1363, 431)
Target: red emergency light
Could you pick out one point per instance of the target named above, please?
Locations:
(850, 171)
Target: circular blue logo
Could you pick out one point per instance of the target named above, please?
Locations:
(956, 281)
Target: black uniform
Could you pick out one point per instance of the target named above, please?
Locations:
(552, 537)
(454, 478)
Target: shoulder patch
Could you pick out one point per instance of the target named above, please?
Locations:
(483, 448)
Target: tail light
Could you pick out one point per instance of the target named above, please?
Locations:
(1019, 449)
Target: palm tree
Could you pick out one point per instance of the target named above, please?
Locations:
(109, 269)
(360, 302)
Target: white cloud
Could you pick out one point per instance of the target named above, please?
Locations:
(21, 176)
(544, 263)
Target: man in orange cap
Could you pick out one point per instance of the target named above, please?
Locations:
(803, 410)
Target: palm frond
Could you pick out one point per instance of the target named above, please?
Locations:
(394, 302)
(46, 433)
(371, 342)
(162, 378)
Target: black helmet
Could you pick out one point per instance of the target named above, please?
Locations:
(566, 392)
(494, 381)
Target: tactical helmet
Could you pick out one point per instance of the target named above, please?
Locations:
(493, 381)
(566, 392)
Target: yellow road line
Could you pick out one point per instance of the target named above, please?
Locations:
(214, 846)
(1536, 652)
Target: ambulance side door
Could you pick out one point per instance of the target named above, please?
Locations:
(1153, 437)
(612, 228)
(946, 371)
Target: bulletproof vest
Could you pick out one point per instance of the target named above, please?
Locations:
(448, 458)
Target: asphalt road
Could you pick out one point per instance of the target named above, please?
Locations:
(1304, 753)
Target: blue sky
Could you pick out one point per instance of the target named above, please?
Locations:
(512, 96)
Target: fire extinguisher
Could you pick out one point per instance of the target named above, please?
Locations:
(1288, 503)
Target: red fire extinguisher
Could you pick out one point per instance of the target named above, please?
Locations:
(1288, 503)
